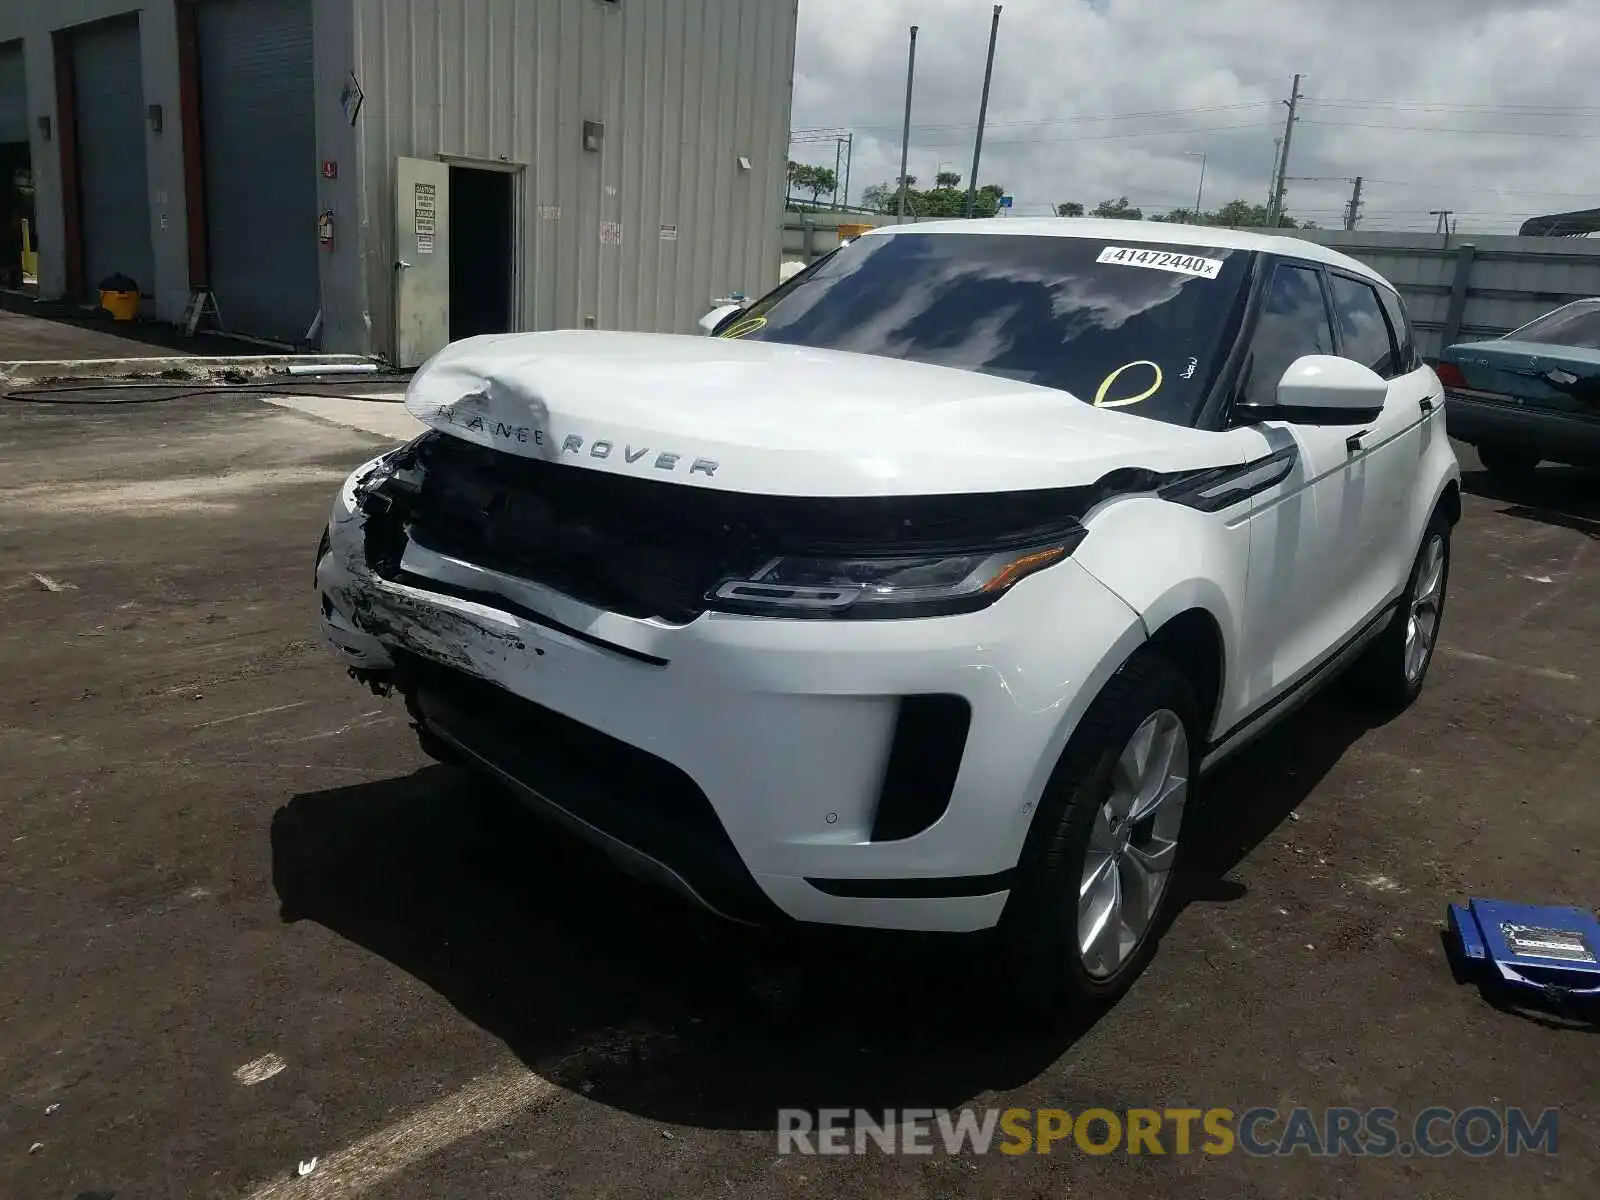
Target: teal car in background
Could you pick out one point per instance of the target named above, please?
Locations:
(1531, 396)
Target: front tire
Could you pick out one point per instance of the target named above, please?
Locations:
(1094, 886)
(1390, 673)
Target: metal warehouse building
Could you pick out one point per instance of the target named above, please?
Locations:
(386, 175)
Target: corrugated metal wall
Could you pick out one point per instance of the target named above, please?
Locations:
(1505, 281)
(113, 181)
(259, 137)
(683, 87)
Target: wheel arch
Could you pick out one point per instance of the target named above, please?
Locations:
(1193, 641)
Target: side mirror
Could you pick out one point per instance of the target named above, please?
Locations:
(708, 323)
(1323, 389)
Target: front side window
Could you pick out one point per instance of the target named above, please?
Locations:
(1294, 323)
(1363, 328)
(1573, 325)
(1142, 328)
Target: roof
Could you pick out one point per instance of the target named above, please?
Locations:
(1138, 232)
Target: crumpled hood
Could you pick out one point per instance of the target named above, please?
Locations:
(767, 418)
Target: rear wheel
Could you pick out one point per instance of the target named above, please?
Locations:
(1391, 671)
(1514, 466)
(1094, 884)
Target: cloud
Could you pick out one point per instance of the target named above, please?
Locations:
(1484, 107)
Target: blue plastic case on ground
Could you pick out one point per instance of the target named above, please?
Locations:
(1551, 950)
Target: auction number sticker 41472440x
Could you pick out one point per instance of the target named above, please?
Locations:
(1162, 260)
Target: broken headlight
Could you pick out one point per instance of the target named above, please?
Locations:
(868, 587)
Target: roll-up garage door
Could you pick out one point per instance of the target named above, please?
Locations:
(108, 88)
(259, 138)
(13, 94)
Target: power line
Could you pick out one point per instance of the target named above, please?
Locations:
(1443, 129)
(1170, 112)
(1106, 137)
(1443, 106)
(1492, 190)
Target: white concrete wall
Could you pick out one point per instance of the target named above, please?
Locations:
(34, 21)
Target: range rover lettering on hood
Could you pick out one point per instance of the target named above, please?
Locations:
(665, 460)
(646, 457)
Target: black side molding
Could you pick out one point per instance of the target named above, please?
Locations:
(1317, 671)
(916, 889)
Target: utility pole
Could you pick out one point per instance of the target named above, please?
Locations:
(1353, 213)
(1442, 225)
(1275, 210)
(1272, 179)
(905, 136)
(849, 157)
(983, 113)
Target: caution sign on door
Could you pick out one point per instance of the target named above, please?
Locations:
(423, 207)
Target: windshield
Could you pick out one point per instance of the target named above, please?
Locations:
(1138, 327)
(1576, 324)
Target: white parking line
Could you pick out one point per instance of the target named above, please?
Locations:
(483, 1104)
(1541, 672)
(260, 712)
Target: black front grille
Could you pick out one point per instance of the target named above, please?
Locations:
(637, 549)
(654, 548)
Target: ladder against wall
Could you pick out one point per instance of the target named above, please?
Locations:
(202, 304)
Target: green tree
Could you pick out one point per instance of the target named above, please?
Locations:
(806, 178)
(880, 197)
(1119, 209)
(947, 179)
(1070, 208)
(934, 202)
(1241, 214)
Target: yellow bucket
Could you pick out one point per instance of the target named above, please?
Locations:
(123, 306)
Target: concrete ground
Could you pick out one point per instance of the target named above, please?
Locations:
(246, 924)
(31, 330)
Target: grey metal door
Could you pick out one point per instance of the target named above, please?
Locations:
(112, 185)
(422, 260)
(258, 135)
(13, 94)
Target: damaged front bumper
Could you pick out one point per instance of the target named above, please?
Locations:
(877, 774)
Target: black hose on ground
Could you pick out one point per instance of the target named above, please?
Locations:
(61, 393)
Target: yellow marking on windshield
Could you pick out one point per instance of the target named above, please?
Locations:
(746, 326)
(1100, 400)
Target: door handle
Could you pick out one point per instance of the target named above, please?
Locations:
(402, 265)
(1353, 442)
(1427, 403)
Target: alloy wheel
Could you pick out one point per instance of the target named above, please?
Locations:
(1133, 843)
(1422, 624)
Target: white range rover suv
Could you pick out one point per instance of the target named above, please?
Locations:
(921, 594)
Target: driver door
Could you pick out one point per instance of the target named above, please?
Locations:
(1307, 530)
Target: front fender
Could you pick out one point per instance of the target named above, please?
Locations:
(1163, 559)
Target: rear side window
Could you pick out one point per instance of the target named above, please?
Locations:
(1294, 322)
(1405, 337)
(1571, 325)
(1363, 329)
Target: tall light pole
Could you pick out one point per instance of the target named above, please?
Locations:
(1200, 191)
(905, 136)
(983, 112)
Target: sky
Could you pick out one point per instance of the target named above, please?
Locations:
(1488, 108)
